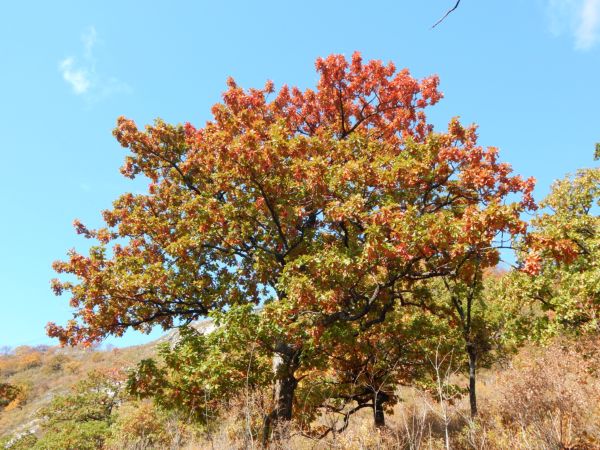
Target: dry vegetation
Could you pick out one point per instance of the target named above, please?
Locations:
(544, 398)
(40, 373)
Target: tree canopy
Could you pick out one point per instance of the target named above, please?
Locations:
(327, 207)
(271, 198)
(562, 276)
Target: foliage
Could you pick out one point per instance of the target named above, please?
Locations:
(91, 399)
(72, 435)
(57, 363)
(269, 195)
(522, 405)
(520, 390)
(203, 370)
(566, 258)
(8, 394)
(24, 441)
(139, 425)
(20, 359)
(362, 368)
(551, 394)
(81, 420)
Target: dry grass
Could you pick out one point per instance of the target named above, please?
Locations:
(546, 398)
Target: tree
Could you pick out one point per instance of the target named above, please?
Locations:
(562, 269)
(472, 308)
(362, 368)
(323, 205)
(201, 372)
(81, 419)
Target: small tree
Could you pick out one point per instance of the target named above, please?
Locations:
(81, 419)
(202, 372)
(8, 394)
(363, 368)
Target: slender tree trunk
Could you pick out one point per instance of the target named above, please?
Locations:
(472, 352)
(285, 363)
(379, 399)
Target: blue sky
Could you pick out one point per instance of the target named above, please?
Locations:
(527, 71)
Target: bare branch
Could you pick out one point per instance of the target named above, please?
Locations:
(447, 14)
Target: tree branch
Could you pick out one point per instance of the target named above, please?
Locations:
(451, 10)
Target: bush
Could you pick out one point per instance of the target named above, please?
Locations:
(8, 393)
(74, 436)
(552, 395)
(56, 363)
(24, 441)
(13, 396)
(139, 425)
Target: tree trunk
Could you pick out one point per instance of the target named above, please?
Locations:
(284, 396)
(472, 352)
(285, 363)
(379, 399)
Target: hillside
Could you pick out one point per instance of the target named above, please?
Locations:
(551, 395)
(44, 372)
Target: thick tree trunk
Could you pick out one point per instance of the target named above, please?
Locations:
(285, 363)
(472, 352)
(284, 396)
(379, 399)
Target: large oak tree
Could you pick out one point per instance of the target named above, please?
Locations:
(324, 205)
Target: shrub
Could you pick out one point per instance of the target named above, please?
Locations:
(72, 435)
(8, 393)
(550, 394)
(139, 425)
(56, 363)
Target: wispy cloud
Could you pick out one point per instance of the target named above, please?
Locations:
(89, 39)
(81, 74)
(78, 78)
(580, 18)
(587, 32)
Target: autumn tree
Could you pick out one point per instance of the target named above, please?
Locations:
(362, 368)
(562, 271)
(324, 205)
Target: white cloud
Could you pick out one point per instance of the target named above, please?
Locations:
(78, 78)
(82, 76)
(587, 32)
(580, 18)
